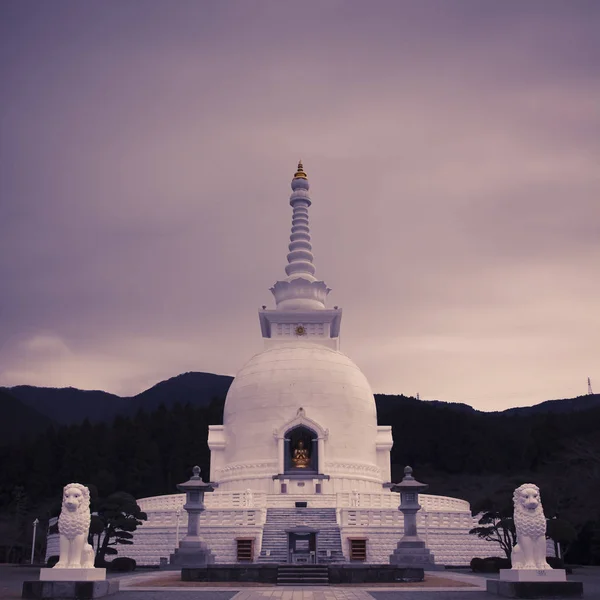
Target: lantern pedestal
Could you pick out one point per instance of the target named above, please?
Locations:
(411, 550)
(414, 554)
(192, 551)
(193, 554)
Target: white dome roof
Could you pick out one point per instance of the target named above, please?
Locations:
(271, 387)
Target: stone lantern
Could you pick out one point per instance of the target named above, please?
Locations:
(411, 550)
(192, 551)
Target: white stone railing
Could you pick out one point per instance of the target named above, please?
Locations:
(443, 503)
(361, 517)
(314, 500)
(367, 500)
(235, 500)
(392, 500)
(241, 500)
(234, 518)
(214, 518)
(212, 500)
(170, 502)
(373, 517)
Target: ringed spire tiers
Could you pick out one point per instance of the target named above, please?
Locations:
(300, 289)
(300, 296)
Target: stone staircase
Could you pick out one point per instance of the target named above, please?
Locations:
(275, 539)
(302, 575)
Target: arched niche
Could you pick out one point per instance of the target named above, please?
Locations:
(294, 439)
(301, 427)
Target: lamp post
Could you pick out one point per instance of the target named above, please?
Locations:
(35, 524)
(192, 551)
(409, 489)
(411, 549)
(177, 528)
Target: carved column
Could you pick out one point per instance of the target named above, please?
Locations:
(286, 454)
(320, 453)
(280, 456)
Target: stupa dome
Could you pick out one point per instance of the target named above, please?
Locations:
(273, 385)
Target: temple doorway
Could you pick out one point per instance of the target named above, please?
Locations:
(302, 547)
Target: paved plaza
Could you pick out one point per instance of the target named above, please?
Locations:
(138, 586)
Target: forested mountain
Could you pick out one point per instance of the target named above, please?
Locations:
(68, 406)
(18, 419)
(560, 406)
(463, 453)
(196, 389)
(456, 440)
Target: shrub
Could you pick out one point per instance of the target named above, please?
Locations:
(122, 564)
(477, 565)
(558, 563)
(491, 564)
(52, 560)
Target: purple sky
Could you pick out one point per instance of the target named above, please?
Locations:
(453, 151)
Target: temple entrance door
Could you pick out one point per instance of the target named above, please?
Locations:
(302, 548)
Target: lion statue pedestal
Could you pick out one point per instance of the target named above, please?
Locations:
(76, 561)
(531, 575)
(529, 555)
(74, 575)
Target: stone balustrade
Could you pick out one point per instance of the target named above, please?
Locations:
(211, 501)
(373, 517)
(341, 500)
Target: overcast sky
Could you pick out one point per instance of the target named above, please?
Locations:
(453, 152)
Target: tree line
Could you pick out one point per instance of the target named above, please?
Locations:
(480, 457)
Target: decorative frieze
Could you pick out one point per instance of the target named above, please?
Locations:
(354, 468)
(292, 330)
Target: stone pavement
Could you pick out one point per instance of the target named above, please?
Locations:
(11, 582)
(146, 591)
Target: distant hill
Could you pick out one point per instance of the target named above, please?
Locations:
(19, 419)
(197, 389)
(559, 406)
(68, 406)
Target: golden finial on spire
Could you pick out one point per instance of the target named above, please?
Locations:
(300, 172)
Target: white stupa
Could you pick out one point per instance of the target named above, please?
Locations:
(300, 387)
(303, 469)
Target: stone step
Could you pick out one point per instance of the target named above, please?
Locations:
(322, 581)
(275, 538)
(302, 515)
(288, 570)
(302, 575)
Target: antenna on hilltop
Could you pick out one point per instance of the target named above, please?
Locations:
(590, 386)
(418, 397)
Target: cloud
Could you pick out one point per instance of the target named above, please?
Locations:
(452, 154)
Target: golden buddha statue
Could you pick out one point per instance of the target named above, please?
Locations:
(301, 459)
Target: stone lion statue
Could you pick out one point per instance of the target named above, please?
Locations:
(530, 523)
(73, 527)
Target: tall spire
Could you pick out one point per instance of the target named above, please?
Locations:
(300, 258)
(300, 289)
(300, 172)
